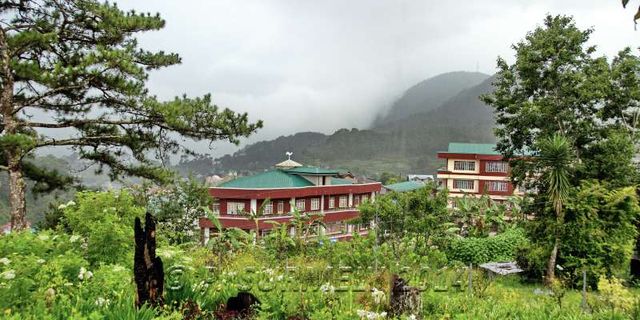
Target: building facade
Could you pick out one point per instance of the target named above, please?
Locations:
(325, 194)
(475, 169)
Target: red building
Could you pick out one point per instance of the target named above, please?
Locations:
(327, 194)
(475, 169)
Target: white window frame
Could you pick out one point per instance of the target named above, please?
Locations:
(280, 206)
(235, 208)
(459, 187)
(315, 204)
(343, 202)
(464, 165)
(332, 202)
(268, 208)
(493, 186)
(497, 166)
(301, 204)
(215, 208)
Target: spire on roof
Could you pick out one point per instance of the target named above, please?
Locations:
(288, 164)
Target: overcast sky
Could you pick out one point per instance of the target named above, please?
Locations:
(323, 65)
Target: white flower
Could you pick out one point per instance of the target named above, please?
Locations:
(279, 278)
(74, 238)
(5, 261)
(413, 317)
(84, 274)
(102, 302)
(327, 288)
(559, 267)
(378, 295)
(62, 206)
(9, 274)
(71, 203)
(40, 261)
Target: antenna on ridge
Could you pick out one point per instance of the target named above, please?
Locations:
(289, 154)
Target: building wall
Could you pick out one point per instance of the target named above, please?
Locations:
(481, 177)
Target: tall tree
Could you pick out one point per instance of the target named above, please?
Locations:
(557, 85)
(75, 68)
(556, 160)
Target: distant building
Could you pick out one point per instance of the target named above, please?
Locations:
(475, 169)
(291, 185)
(420, 177)
(404, 186)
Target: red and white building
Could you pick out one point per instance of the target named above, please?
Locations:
(327, 194)
(475, 169)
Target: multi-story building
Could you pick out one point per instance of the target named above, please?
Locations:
(327, 194)
(475, 169)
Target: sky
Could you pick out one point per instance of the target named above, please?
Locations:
(325, 65)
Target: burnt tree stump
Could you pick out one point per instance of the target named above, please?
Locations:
(404, 298)
(147, 267)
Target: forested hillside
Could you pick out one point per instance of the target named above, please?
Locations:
(423, 121)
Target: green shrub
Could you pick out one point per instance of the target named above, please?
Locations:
(481, 250)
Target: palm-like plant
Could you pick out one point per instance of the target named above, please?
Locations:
(556, 160)
(255, 216)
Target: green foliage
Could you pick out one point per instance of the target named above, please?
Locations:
(105, 220)
(177, 209)
(500, 248)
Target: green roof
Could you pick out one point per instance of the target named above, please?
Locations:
(269, 179)
(405, 186)
(340, 181)
(474, 148)
(312, 171)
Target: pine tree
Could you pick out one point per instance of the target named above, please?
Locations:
(75, 68)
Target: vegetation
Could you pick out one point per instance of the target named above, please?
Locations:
(63, 272)
(566, 117)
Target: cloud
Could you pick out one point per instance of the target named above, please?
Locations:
(324, 65)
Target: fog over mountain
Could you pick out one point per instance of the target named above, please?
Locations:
(325, 65)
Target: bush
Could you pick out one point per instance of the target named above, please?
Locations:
(492, 249)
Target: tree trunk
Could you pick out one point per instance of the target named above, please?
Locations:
(147, 267)
(17, 189)
(551, 265)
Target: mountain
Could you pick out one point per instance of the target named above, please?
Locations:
(264, 154)
(399, 145)
(430, 94)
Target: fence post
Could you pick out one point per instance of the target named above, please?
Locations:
(470, 277)
(584, 291)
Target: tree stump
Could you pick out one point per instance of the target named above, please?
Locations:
(147, 267)
(404, 298)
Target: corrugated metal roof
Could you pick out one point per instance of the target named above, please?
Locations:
(405, 186)
(269, 179)
(473, 148)
(339, 181)
(313, 171)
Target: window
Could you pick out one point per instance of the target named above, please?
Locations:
(315, 204)
(280, 206)
(356, 200)
(332, 202)
(300, 204)
(267, 208)
(216, 208)
(463, 184)
(235, 207)
(365, 197)
(496, 166)
(498, 186)
(343, 202)
(464, 165)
